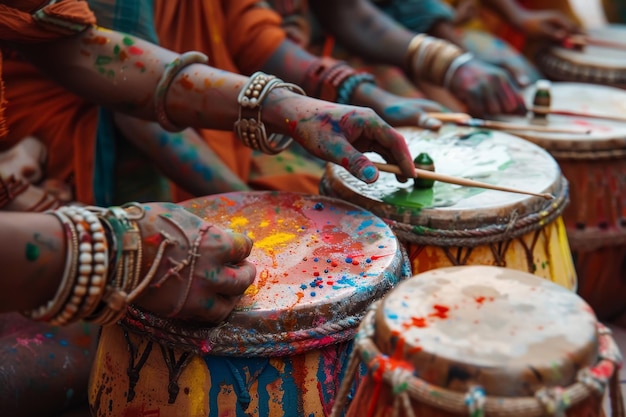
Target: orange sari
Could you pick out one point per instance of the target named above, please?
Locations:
(238, 36)
(25, 92)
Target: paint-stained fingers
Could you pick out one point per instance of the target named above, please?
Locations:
(511, 100)
(234, 279)
(393, 147)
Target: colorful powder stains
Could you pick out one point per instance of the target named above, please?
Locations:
(252, 290)
(440, 311)
(96, 40)
(136, 51)
(128, 41)
(273, 241)
(185, 82)
(238, 222)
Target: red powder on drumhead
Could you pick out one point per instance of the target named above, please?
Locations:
(417, 322)
(440, 311)
(480, 299)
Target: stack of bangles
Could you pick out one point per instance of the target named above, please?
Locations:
(102, 274)
(434, 60)
(12, 187)
(332, 80)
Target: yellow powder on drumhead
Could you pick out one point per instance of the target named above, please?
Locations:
(238, 221)
(272, 241)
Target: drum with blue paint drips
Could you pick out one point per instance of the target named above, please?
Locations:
(320, 263)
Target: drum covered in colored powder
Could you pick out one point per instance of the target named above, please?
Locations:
(320, 263)
(594, 64)
(481, 340)
(450, 225)
(595, 165)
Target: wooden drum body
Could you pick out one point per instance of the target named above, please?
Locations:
(320, 263)
(480, 340)
(450, 225)
(595, 166)
(593, 64)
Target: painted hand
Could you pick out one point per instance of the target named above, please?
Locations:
(339, 133)
(486, 90)
(547, 24)
(203, 271)
(401, 111)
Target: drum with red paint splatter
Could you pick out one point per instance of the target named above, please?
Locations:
(320, 263)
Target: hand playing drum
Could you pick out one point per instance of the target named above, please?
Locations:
(202, 271)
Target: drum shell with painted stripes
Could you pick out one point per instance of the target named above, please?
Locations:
(451, 225)
(320, 263)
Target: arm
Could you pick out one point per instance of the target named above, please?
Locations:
(183, 157)
(33, 259)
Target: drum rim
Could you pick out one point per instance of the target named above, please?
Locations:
(500, 229)
(238, 341)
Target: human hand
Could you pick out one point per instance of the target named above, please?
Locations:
(203, 271)
(337, 133)
(547, 24)
(486, 90)
(401, 111)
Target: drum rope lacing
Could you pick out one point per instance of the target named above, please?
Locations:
(228, 340)
(551, 401)
(515, 226)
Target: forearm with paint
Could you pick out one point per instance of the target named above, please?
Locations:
(32, 258)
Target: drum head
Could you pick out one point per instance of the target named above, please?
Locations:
(594, 64)
(319, 260)
(605, 135)
(510, 332)
(486, 156)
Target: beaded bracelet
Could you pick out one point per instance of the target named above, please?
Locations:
(349, 86)
(250, 128)
(171, 70)
(458, 62)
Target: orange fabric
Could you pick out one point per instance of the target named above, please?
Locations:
(238, 36)
(513, 36)
(23, 92)
(64, 122)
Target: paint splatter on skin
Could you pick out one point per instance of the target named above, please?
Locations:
(32, 252)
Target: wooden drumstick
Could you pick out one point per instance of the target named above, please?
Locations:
(581, 114)
(422, 173)
(463, 119)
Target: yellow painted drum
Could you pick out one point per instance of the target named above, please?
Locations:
(320, 263)
(593, 64)
(449, 225)
(482, 341)
(595, 165)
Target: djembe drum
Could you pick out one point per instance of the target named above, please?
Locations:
(482, 341)
(320, 263)
(594, 64)
(595, 165)
(449, 225)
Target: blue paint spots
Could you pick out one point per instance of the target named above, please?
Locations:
(365, 224)
(312, 293)
(328, 261)
(303, 286)
(318, 206)
(316, 259)
(48, 335)
(69, 393)
(51, 356)
(349, 260)
(368, 260)
(369, 173)
(63, 342)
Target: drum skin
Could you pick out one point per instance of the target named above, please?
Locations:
(456, 329)
(450, 225)
(595, 166)
(593, 65)
(320, 264)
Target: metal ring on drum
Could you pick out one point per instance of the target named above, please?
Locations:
(451, 225)
(320, 262)
(595, 166)
(480, 340)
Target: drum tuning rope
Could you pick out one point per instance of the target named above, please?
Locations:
(554, 401)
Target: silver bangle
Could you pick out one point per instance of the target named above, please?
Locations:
(171, 70)
(250, 128)
(458, 62)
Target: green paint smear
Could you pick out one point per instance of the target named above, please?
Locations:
(32, 252)
(441, 195)
(128, 41)
(103, 60)
(116, 49)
